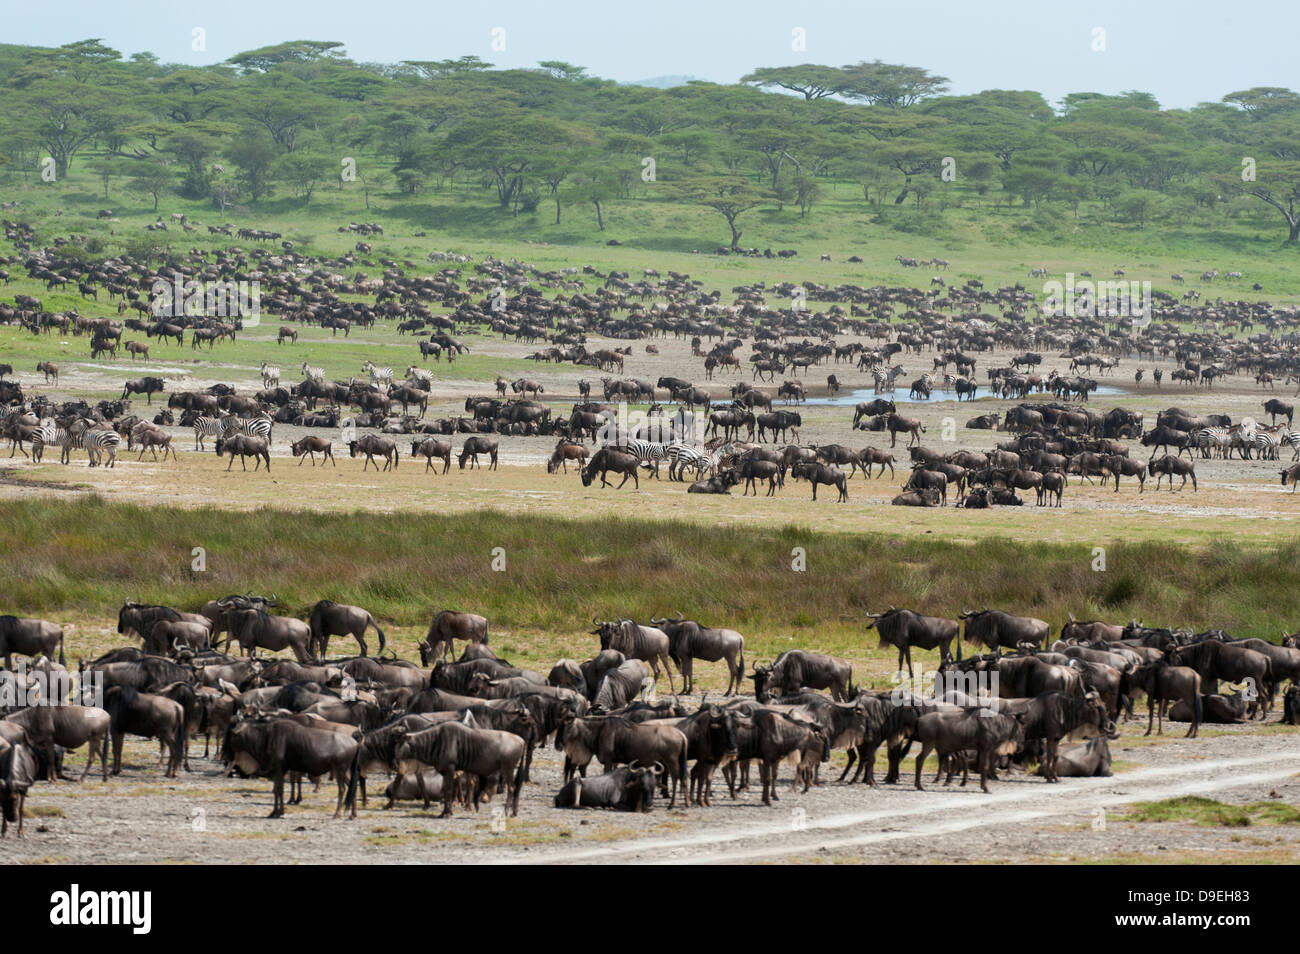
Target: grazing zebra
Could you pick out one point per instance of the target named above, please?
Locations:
(378, 376)
(650, 453)
(270, 376)
(314, 374)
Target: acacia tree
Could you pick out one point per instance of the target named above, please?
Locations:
(729, 196)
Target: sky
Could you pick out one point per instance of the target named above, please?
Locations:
(1183, 52)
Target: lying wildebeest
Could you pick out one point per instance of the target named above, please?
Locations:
(31, 637)
(328, 618)
(149, 715)
(796, 668)
(245, 446)
(474, 446)
(928, 497)
(905, 629)
(1088, 760)
(818, 473)
(688, 640)
(255, 629)
(1291, 706)
(612, 459)
(18, 770)
(448, 626)
(951, 733)
(281, 746)
(996, 629)
(1051, 716)
(717, 484)
(647, 643)
(1215, 710)
(452, 747)
(1162, 683)
(628, 788)
(373, 445)
(311, 446)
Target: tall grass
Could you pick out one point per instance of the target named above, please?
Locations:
(82, 558)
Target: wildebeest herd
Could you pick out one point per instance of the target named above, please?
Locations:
(464, 729)
(719, 437)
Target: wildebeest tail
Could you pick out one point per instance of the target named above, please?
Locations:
(519, 784)
(178, 754)
(383, 640)
(681, 767)
(62, 659)
(1198, 707)
(354, 776)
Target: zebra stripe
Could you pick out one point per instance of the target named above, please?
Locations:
(378, 375)
(313, 373)
(97, 443)
(205, 427)
(649, 452)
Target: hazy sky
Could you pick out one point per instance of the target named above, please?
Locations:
(1183, 52)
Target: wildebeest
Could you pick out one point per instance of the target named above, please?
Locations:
(18, 770)
(996, 629)
(66, 726)
(31, 637)
(635, 641)
(149, 715)
(912, 426)
(817, 473)
(624, 742)
(328, 618)
(146, 386)
(564, 452)
(1215, 660)
(688, 640)
(1089, 760)
(245, 446)
(950, 733)
(1215, 710)
(1051, 716)
(905, 629)
(429, 448)
(612, 459)
(311, 446)
(1162, 683)
(453, 747)
(448, 626)
(1173, 467)
(280, 746)
(797, 668)
(474, 446)
(628, 788)
(373, 445)
(629, 680)
(255, 629)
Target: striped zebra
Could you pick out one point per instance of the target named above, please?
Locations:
(650, 453)
(205, 427)
(1292, 440)
(313, 373)
(378, 376)
(1214, 441)
(97, 443)
(1267, 441)
(50, 434)
(701, 460)
(270, 376)
(249, 426)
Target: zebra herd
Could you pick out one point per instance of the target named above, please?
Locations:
(1266, 442)
(223, 427)
(79, 435)
(679, 455)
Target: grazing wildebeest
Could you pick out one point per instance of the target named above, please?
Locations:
(950, 733)
(1173, 467)
(448, 626)
(796, 669)
(996, 629)
(255, 629)
(688, 640)
(311, 446)
(818, 473)
(647, 643)
(452, 747)
(429, 448)
(373, 445)
(1162, 683)
(564, 452)
(905, 629)
(281, 746)
(18, 771)
(31, 637)
(245, 446)
(611, 459)
(628, 788)
(328, 618)
(474, 446)
(152, 716)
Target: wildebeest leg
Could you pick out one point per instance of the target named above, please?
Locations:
(920, 761)
(1151, 705)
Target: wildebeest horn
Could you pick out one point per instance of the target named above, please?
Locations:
(680, 616)
(659, 768)
(594, 621)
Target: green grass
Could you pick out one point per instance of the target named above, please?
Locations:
(77, 560)
(1208, 812)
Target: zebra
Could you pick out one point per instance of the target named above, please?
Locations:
(1292, 440)
(270, 376)
(313, 373)
(205, 427)
(49, 432)
(248, 426)
(424, 379)
(682, 456)
(1268, 442)
(651, 453)
(97, 443)
(378, 376)
(1214, 439)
